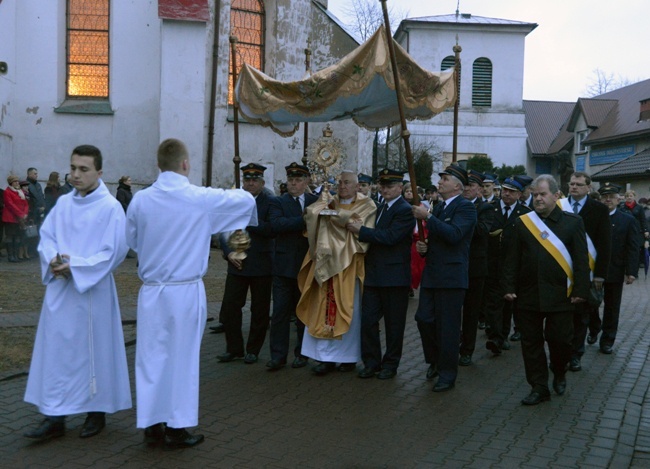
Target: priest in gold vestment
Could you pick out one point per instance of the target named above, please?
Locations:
(331, 277)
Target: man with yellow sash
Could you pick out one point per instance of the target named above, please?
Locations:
(331, 276)
(546, 271)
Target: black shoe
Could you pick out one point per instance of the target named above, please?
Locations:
(559, 384)
(299, 362)
(228, 357)
(465, 360)
(48, 429)
(535, 398)
(154, 435)
(592, 338)
(275, 365)
(481, 326)
(367, 373)
(180, 438)
(493, 347)
(606, 349)
(432, 372)
(323, 368)
(386, 373)
(516, 337)
(347, 367)
(94, 424)
(505, 345)
(574, 364)
(250, 358)
(443, 387)
(218, 329)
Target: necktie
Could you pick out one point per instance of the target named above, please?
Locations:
(576, 207)
(505, 212)
(382, 209)
(298, 202)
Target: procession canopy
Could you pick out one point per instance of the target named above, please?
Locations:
(360, 87)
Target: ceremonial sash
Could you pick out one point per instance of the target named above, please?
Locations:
(565, 205)
(552, 244)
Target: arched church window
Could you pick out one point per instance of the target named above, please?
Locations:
(449, 62)
(482, 83)
(247, 22)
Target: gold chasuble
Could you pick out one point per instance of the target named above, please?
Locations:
(333, 263)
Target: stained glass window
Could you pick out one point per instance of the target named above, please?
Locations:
(247, 24)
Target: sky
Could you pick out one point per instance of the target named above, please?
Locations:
(572, 39)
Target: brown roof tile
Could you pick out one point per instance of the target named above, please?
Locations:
(544, 124)
(635, 166)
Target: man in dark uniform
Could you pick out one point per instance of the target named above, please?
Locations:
(254, 272)
(498, 311)
(487, 190)
(286, 217)
(526, 197)
(365, 183)
(546, 270)
(623, 268)
(388, 278)
(478, 266)
(599, 241)
(445, 276)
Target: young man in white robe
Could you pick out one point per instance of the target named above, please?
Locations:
(79, 359)
(169, 225)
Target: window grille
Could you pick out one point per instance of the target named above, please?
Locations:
(482, 83)
(247, 24)
(449, 62)
(88, 48)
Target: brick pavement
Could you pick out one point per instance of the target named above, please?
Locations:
(253, 418)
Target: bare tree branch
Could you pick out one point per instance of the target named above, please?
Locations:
(601, 82)
(363, 17)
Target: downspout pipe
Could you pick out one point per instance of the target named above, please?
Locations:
(213, 92)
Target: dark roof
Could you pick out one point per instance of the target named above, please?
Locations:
(468, 18)
(635, 166)
(622, 121)
(594, 111)
(544, 121)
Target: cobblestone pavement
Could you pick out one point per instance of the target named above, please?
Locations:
(287, 419)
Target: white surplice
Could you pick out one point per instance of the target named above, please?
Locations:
(170, 225)
(79, 361)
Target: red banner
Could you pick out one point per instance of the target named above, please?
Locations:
(188, 10)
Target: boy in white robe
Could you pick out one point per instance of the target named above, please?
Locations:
(169, 225)
(79, 360)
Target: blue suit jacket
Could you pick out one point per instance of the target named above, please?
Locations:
(450, 235)
(388, 261)
(259, 260)
(288, 224)
(625, 247)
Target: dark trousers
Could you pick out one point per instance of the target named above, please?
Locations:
(557, 329)
(498, 311)
(391, 303)
(285, 299)
(439, 317)
(234, 299)
(471, 311)
(611, 313)
(581, 317)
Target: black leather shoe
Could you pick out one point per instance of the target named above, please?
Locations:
(386, 373)
(516, 336)
(218, 329)
(228, 357)
(535, 398)
(367, 373)
(606, 349)
(94, 424)
(155, 434)
(574, 364)
(592, 338)
(493, 347)
(481, 326)
(299, 362)
(47, 429)
(323, 368)
(180, 438)
(443, 387)
(465, 360)
(347, 367)
(432, 372)
(250, 358)
(559, 384)
(275, 365)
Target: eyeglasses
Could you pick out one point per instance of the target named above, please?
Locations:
(577, 184)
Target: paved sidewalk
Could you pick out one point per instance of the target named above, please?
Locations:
(252, 418)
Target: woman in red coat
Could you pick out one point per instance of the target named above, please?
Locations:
(14, 216)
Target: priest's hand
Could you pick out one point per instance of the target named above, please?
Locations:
(60, 266)
(234, 261)
(576, 300)
(354, 226)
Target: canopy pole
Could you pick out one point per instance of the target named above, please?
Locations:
(405, 133)
(457, 50)
(306, 128)
(235, 109)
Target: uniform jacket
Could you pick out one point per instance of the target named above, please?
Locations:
(450, 235)
(625, 247)
(478, 264)
(259, 256)
(595, 216)
(388, 261)
(638, 213)
(499, 229)
(288, 224)
(534, 275)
